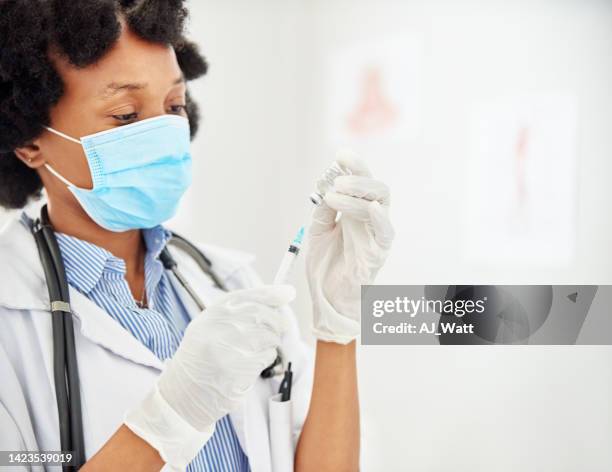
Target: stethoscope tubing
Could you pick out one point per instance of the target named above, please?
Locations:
(72, 370)
(59, 349)
(65, 367)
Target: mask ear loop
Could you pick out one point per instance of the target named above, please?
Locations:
(59, 176)
(51, 169)
(65, 136)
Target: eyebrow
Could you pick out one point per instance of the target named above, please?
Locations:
(114, 88)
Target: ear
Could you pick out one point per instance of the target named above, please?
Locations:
(30, 155)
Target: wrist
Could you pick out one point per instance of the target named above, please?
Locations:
(327, 337)
(155, 421)
(331, 326)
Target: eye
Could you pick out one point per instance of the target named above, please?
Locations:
(124, 118)
(178, 109)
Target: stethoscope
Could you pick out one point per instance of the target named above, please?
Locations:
(65, 367)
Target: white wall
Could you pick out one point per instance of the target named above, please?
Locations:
(482, 409)
(263, 141)
(252, 182)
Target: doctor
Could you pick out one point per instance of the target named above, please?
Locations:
(162, 384)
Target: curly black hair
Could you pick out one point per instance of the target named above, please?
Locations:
(82, 31)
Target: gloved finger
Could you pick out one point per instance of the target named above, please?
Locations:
(362, 187)
(260, 338)
(349, 160)
(271, 319)
(381, 225)
(270, 295)
(353, 207)
(247, 316)
(267, 357)
(370, 212)
(322, 220)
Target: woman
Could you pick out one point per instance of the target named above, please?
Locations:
(94, 109)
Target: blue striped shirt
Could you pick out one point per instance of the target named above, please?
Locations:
(100, 276)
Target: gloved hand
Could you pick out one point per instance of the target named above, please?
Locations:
(344, 254)
(220, 357)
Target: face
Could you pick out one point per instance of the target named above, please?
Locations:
(135, 80)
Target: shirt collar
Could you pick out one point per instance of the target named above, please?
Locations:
(85, 262)
(156, 239)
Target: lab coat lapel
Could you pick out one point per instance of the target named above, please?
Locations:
(99, 327)
(27, 290)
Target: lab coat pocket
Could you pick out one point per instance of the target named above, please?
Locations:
(281, 441)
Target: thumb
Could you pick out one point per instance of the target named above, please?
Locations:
(322, 220)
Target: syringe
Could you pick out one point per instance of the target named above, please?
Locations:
(282, 274)
(281, 277)
(325, 182)
(290, 257)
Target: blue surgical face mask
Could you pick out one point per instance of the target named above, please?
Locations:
(139, 172)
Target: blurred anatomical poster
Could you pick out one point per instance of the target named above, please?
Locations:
(521, 181)
(374, 91)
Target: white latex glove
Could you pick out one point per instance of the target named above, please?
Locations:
(220, 357)
(342, 255)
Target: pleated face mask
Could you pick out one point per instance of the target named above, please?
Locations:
(139, 172)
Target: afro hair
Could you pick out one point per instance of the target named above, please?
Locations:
(82, 31)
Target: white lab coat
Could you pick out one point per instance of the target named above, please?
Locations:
(116, 371)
